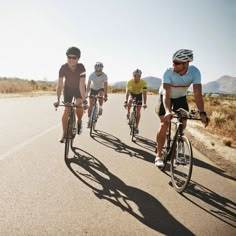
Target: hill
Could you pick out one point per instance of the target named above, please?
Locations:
(225, 84)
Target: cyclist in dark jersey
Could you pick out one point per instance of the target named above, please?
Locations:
(74, 87)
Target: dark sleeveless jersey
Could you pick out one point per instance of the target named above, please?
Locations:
(72, 78)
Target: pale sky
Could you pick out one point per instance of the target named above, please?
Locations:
(123, 34)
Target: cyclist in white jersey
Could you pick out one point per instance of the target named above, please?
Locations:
(97, 85)
(172, 94)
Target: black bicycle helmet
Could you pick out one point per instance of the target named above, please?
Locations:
(73, 51)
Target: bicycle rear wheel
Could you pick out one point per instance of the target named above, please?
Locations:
(182, 164)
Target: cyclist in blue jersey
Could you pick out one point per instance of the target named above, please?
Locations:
(172, 94)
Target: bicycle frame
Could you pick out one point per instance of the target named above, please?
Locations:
(178, 146)
(94, 113)
(70, 127)
(132, 119)
(171, 143)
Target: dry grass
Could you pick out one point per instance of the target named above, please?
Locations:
(15, 85)
(222, 113)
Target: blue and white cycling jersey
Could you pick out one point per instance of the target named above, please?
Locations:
(180, 83)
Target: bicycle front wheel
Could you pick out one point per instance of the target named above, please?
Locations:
(132, 125)
(67, 148)
(182, 164)
(70, 135)
(93, 120)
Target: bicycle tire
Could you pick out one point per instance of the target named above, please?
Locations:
(70, 134)
(67, 148)
(93, 120)
(133, 125)
(181, 164)
(68, 139)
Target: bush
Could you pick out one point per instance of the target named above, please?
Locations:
(227, 142)
(217, 119)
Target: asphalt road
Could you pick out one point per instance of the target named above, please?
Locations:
(109, 186)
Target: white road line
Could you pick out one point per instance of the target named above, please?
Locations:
(27, 142)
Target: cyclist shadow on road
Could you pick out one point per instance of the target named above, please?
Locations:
(218, 206)
(113, 142)
(139, 204)
(214, 169)
(145, 143)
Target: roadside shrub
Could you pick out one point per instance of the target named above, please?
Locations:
(215, 102)
(217, 119)
(227, 142)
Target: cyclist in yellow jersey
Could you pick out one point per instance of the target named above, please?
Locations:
(136, 88)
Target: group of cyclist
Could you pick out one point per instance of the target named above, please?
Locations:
(172, 93)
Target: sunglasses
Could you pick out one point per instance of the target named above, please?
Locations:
(98, 70)
(72, 57)
(178, 62)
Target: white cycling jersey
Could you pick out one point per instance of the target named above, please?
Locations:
(97, 82)
(180, 83)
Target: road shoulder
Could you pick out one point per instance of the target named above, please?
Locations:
(213, 147)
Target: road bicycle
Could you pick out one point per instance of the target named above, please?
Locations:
(178, 150)
(71, 128)
(132, 119)
(93, 119)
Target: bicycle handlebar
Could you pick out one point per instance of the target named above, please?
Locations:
(181, 113)
(69, 104)
(96, 96)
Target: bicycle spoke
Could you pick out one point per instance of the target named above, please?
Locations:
(181, 165)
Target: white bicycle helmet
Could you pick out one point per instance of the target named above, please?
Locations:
(98, 66)
(137, 72)
(183, 55)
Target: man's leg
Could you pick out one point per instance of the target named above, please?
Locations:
(91, 101)
(64, 119)
(161, 136)
(67, 99)
(138, 115)
(100, 100)
(129, 107)
(79, 114)
(101, 93)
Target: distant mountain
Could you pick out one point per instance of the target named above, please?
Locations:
(152, 82)
(120, 84)
(225, 84)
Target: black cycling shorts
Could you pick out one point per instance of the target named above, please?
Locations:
(94, 92)
(176, 103)
(138, 98)
(70, 93)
